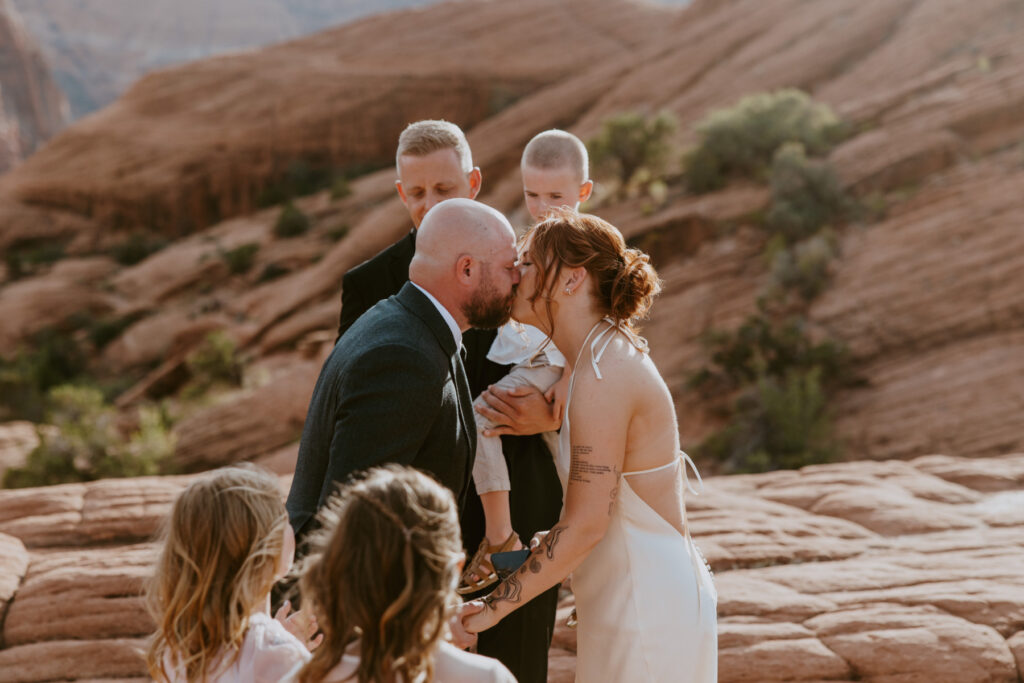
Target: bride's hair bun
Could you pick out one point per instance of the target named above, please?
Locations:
(634, 287)
(625, 281)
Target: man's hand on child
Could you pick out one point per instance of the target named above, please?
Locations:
(302, 625)
(522, 411)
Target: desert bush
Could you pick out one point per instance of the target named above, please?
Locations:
(136, 247)
(24, 256)
(104, 330)
(741, 140)
(761, 346)
(214, 361)
(272, 271)
(338, 232)
(804, 267)
(86, 443)
(340, 188)
(806, 195)
(630, 141)
(291, 222)
(778, 423)
(52, 357)
(240, 259)
(781, 380)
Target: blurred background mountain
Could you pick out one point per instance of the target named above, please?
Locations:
(96, 49)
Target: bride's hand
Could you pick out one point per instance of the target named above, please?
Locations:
(481, 618)
(537, 539)
(556, 396)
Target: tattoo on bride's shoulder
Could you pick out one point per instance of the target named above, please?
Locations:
(581, 469)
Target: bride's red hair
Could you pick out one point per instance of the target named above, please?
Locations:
(625, 283)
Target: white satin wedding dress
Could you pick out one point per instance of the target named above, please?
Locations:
(645, 601)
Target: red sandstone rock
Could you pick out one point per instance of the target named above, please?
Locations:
(13, 563)
(919, 603)
(260, 421)
(84, 660)
(218, 168)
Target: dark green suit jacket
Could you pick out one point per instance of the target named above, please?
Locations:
(393, 390)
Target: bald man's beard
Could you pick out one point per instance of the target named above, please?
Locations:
(486, 309)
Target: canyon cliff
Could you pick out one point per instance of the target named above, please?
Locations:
(32, 108)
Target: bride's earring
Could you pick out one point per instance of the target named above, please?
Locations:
(568, 291)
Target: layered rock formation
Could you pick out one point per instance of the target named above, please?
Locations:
(220, 130)
(98, 50)
(925, 297)
(877, 572)
(32, 109)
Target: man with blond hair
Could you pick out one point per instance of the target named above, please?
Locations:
(434, 164)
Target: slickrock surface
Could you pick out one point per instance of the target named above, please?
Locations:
(871, 571)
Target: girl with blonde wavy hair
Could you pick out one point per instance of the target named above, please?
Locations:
(382, 584)
(226, 542)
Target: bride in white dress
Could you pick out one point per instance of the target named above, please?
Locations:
(645, 601)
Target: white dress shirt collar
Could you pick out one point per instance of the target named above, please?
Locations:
(448, 317)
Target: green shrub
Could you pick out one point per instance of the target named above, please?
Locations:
(760, 347)
(87, 445)
(291, 222)
(241, 258)
(630, 141)
(806, 195)
(777, 423)
(136, 248)
(741, 140)
(52, 357)
(24, 256)
(105, 330)
(782, 380)
(804, 267)
(337, 233)
(214, 361)
(340, 188)
(272, 271)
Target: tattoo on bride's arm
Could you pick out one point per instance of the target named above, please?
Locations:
(615, 491)
(552, 539)
(546, 548)
(580, 469)
(509, 590)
